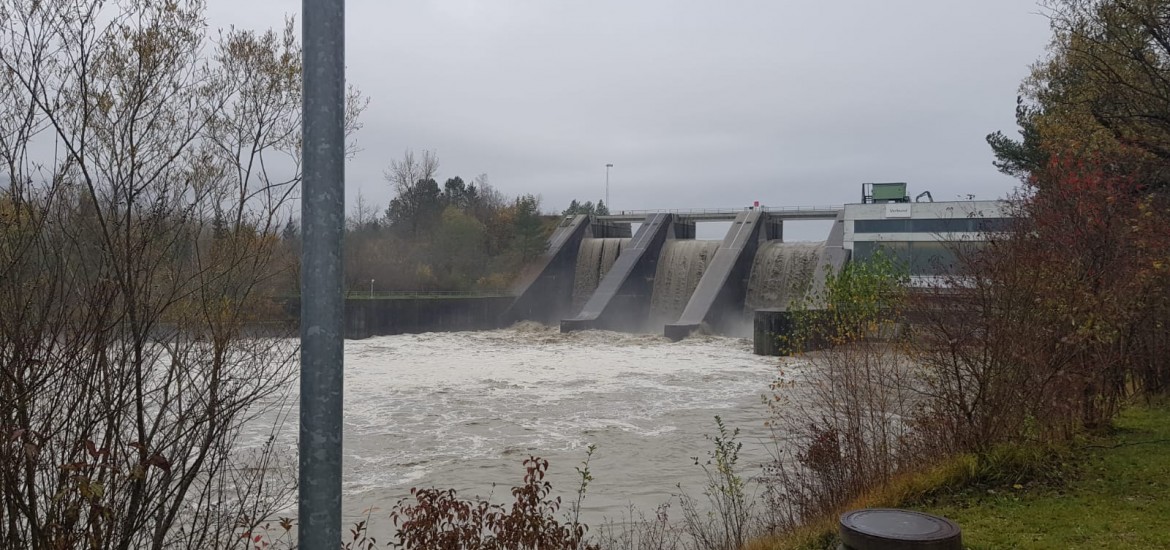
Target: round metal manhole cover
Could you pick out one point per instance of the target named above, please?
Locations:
(888, 528)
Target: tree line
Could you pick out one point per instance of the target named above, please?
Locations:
(462, 236)
(1093, 252)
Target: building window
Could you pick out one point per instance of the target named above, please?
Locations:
(991, 225)
(933, 226)
(919, 257)
(899, 250)
(932, 258)
(881, 226)
(941, 225)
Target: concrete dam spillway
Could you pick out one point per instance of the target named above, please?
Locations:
(594, 259)
(596, 275)
(782, 274)
(680, 267)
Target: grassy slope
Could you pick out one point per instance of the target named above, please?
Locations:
(1119, 498)
(1115, 494)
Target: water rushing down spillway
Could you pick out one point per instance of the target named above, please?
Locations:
(461, 410)
(594, 260)
(680, 266)
(782, 273)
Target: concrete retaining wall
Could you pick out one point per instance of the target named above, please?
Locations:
(773, 327)
(770, 327)
(381, 317)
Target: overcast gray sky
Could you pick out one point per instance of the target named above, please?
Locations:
(698, 104)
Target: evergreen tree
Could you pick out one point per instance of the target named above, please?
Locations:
(530, 241)
(586, 208)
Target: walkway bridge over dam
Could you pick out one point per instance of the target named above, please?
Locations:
(600, 274)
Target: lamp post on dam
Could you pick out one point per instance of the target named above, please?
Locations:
(607, 167)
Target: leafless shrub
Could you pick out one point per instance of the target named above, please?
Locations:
(845, 426)
(729, 518)
(137, 251)
(637, 532)
(845, 429)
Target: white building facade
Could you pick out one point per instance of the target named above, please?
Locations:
(923, 235)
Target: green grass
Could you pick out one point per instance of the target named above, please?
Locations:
(1111, 491)
(1116, 495)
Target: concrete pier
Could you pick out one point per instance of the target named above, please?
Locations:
(769, 330)
(720, 294)
(622, 299)
(545, 292)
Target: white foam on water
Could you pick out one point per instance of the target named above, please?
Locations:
(462, 410)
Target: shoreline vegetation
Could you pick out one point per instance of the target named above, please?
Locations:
(1109, 489)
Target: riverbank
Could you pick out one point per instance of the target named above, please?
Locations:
(1108, 491)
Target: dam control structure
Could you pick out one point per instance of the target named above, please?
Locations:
(599, 274)
(645, 271)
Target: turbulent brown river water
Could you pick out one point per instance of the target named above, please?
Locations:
(462, 410)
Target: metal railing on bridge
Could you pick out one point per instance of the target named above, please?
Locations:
(782, 209)
(811, 212)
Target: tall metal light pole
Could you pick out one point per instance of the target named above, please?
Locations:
(607, 167)
(322, 303)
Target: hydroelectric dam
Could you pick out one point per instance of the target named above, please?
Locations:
(599, 274)
(645, 271)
